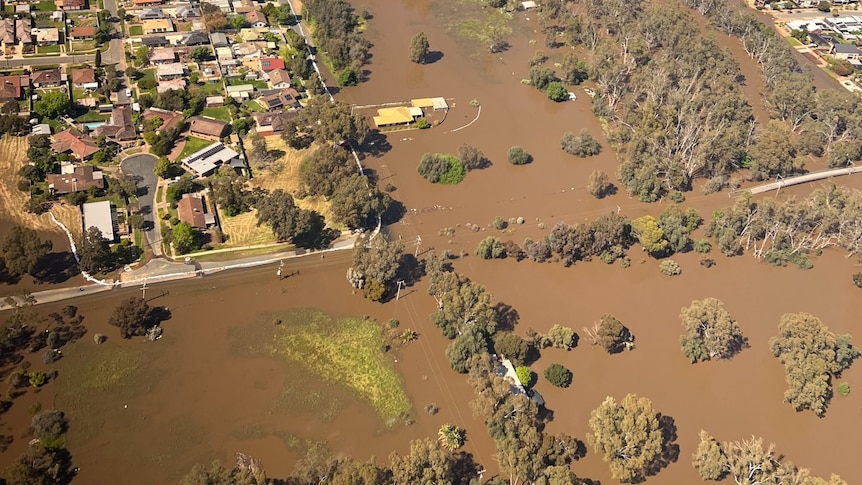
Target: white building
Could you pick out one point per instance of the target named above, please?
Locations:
(206, 160)
(103, 217)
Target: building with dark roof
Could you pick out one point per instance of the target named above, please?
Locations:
(120, 126)
(80, 179)
(208, 128)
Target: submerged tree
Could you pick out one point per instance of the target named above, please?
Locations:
(610, 334)
(419, 48)
(712, 333)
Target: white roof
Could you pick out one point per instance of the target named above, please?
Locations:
(415, 111)
(101, 216)
(224, 53)
(173, 69)
(41, 129)
(215, 100)
(207, 159)
(528, 4)
(239, 88)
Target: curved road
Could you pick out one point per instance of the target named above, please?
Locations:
(143, 165)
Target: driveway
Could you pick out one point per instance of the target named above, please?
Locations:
(142, 165)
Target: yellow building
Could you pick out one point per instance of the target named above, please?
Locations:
(401, 115)
(436, 104)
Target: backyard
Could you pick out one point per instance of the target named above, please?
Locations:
(193, 144)
(219, 113)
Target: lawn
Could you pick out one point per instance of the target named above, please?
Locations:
(92, 116)
(793, 41)
(46, 6)
(242, 230)
(253, 106)
(84, 45)
(192, 145)
(347, 351)
(213, 88)
(48, 49)
(257, 83)
(221, 113)
(159, 194)
(136, 30)
(149, 74)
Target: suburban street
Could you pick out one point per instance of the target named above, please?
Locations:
(142, 165)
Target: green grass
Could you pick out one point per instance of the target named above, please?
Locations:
(48, 49)
(213, 89)
(346, 351)
(192, 145)
(257, 83)
(46, 6)
(793, 41)
(253, 106)
(159, 193)
(221, 113)
(299, 396)
(84, 45)
(136, 30)
(92, 117)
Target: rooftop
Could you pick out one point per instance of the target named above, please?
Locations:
(101, 216)
(83, 31)
(205, 160)
(83, 76)
(82, 178)
(174, 69)
(191, 209)
(208, 126)
(73, 140)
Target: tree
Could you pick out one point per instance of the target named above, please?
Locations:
(201, 54)
(812, 355)
(773, 153)
(133, 317)
(214, 19)
(558, 375)
(98, 60)
(52, 104)
(94, 253)
(377, 259)
(464, 304)
(599, 184)
(709, 460)
(304, 228)
(451, 437)
(237, 22)
(324, 170)
(581, 145)
(230, 195)
(541, 77)
(525, 376)
(419, 48)
(49, 426)
(357, 203)
(610, 334)
(491, 248)
(512, 347)
(142, 57)
(628, 435)
(574, 71)
(217, 474)
(40, 465)
(441, 168)
(519, 156)
(556, 92)
(22, 250)
(562, 337)
(347, 77)
(331, 122)
(184, 237)
(712, 333)
(472, 341)
(426, 463)
(471, 158)
(650, 235)
(167, 169)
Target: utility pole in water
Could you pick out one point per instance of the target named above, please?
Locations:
(144, 290)
(398, 294)
(418, 245)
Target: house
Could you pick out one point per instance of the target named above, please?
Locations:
(283, 98)
(279, 78)
(218, 39)
(156, 41)
(120, 126)
(272, 122)
(41, 129)
(244, 6)
(23, 8)
(195, 38)
(215, 101)
(72, 140)
(170, 71)
(223, 5)
(143, 3)
(506, 370)
(208, 128)
(49, 36)
(23, 31)
(185, 12)
(845, 51)
(13, 87)
(47, 78)
(224, 53)
(271, 63)
(178, 84)
(251, 50)
(157, 26)
(7, 31)
(85, 78)
(82, 33)
(240, 91)
(69, 5)
(191, 209)
(169, 118)
(437, 104)
(256, 19)
(401, 115)
(152, 14)
(103, 216)
(163, 55)
(79, 179)
(206, 160)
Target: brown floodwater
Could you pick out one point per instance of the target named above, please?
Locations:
(60, 253)
(196, 401)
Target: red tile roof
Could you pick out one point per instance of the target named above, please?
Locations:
(191, 209)
(269, 63)
(73, 140)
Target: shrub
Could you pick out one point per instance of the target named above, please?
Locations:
(562, 337)
(581, 145)
(707, 262)
(438, 168)
(669, 267)
(599, 184)
(393, 323)
(844, 389)
(558, 375)
(432, 409)
(374, 290)
(703, 246)
(37, 378)
(525, 376)
(491, 248)
(500, 223)
(519, 156)
(677, 196)
(347, 77)
(556, 92)
(857, 280)
(423, 124)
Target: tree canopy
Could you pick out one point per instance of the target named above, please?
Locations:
(133, 317)
(711, 332)
(419, 48)
(21, 251)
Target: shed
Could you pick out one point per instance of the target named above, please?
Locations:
(103, 217)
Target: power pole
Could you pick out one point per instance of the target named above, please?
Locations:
(398, 294)
(418, 245)
(144, 290)
(280, 266)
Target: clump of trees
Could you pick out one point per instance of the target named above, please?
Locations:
(599, 184)
(419, 48)
(439, 168)
(812, 356)
(518, 156)
(633, 439)
(558, 375)
(562, 337)
(471, 158)
(133, 317)
(375, 265)
(326, 122)
(711, 332)
(607, 238)
(610, 334)
(581, 145)
(749, 461)
(304, 228)
(337, 33)
(491, 248)
(52, 104)
(21, 252)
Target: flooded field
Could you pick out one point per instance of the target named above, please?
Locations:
(191, 397)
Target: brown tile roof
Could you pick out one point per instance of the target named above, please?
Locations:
(12, 87)
(282, 99)
(48, 76)
(277, 76)
(255, 16)
(73, 140)
(82, 179)
(69, 3)
(274, 119)
(191, 209)
(169, 118)
(83, 76)
(83, 31)
(208, 126)
(120, 127)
